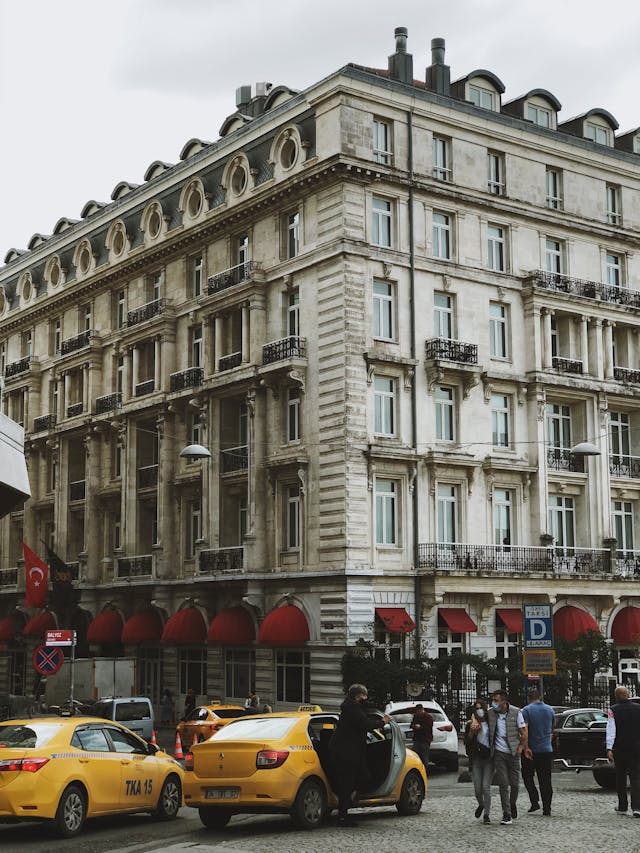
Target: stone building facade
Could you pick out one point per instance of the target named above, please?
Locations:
(389, 308)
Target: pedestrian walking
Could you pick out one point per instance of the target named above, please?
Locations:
(478, 749)
(422, 725)
(623, 749)
(347, 748)
(538, 756)
(166, 708)
(189, 702)
(508, 739)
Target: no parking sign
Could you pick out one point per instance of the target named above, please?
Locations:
(47, 660)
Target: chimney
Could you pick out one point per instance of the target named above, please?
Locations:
(401, 62)
(438, 74)
(243, 98)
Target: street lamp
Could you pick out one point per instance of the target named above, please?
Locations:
(585, 448)
(195, 451)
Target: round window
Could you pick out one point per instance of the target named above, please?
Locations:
(194, 203)
(288, 154)
(26, 291)
(85, 260)
(54, 274)
(118, 242)
(154, 224)
(239, 180)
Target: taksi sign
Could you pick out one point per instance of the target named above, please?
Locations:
(538, 626)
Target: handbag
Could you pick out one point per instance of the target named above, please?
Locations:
(482, 751)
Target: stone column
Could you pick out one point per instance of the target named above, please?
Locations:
(135, 361)
(597, 355)
(546, 324)
(92, 515)
(584, 343)
(217, 344)
(86, 404)
(166, 564)
(258, 327)
(157, 363)
(608, 349)
(67, 393)
(246, 334)
(126, 379)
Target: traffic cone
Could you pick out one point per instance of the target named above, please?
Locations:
(154, 742)
(195, 740)
(177, 753)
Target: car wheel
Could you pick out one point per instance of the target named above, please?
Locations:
(310, 805)
(214, 818)
(605, 777)
(71, 813)
(170, 799)
(412, 794)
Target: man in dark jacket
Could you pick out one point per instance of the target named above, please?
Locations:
(422, 725)
(347, 747)
(623, 748)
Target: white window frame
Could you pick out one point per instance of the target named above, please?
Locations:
(293, 531)
(484, 98)
(441, 159)
(445, 413)
(503, 516)
(597, 133)
(194, 526)
(197, 268)
(499, 330)
(554, 188)
(495, 173)
(497, 248)
(382, 222)
(562, 519)
(447, 513)
(121, 309)
(242, 250)
(534, 113)
(558, 426)
(614, 269)
(441, 235)
(622, 524)
(384, 406)
(156, 286)
(620, 437)
(501, 421)
(614, 210)
(197, 345)
(554, 256)
(386, 512)
(384, 310)
(293, 313)
(293, 414)
(382, 144)
(292, 233)
(443, 316)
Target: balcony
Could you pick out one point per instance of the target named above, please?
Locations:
(231, 277)
(135, 567)
(108, 403)
(78, 342)
(145, 312)
(445, 349)
(626, 374)
(75, 409)
(44, 422)
(234, 459)
(513, 559)
(562, 459)
(566, 365)
(9, 577)
(146, 387)
(189, 378)
(77, 490)
(147, 476)
(627, 564)
(624, 466)
(583, 287)
(291, 347)
(228, 362)
(17, 367)
(221, 560)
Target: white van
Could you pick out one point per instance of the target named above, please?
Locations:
(134, 712)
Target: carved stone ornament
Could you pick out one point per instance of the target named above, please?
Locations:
(387, 269)
(297, 377)
(435, 376)
(409, 373)
(470, 383)
(487, 387)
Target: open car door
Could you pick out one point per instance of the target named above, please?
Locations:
(385, 755)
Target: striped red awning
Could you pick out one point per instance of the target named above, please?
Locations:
(145, 626)
(511, 619)
(105, 628)
(457, 620)
(39, 624)
(185, 628)
(232, 627)
(284, 626)
(569, 622)
(396, 619)
(626, 626)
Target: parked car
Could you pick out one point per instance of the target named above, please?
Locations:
(444, 747)
(203, 721)
(134, 712)
(579, 743)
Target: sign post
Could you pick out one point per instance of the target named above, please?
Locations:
(539, 655)
(65, 638)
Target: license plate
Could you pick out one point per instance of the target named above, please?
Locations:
(221, 793)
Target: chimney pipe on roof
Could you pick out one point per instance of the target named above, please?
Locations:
(438, 76)
(401, 62)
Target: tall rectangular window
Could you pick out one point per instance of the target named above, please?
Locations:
(85, 318)
(496, 244)
(192, 670)
(3, 357)
(495, 170)
(381, 141)
(382, 221)
(447, 513)
(503, 516)
(386, 512)
(293, 414)
(56, 336)
(196, 275)
(613, 205)
(619, 436)
(622, 524)
(293, 518)
(121, 309)
(156, 286)
(383, 310)
(27, 344)
(441, 159)
(554, 189)
(554, 256)
(293, 676)
(559, 426)
(445, 413)
(293, 234)
(498, 330)
(538, 115)
(196, 346)
(242, 250)
(614, 270)
(194, 527)
(500, 417)
(442, 236)
(561, 520)
(384, 405)
(443, 316)
(293, 313)
(239, 672)
(120, 374)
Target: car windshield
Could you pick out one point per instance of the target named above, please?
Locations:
(256, 728)
(129, 711)
(406, 715)
(27, 737)
(229, 713)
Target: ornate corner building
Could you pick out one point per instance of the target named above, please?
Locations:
(389, 307)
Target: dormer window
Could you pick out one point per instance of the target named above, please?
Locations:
(539, 115)
(481, 97)
(597, 133)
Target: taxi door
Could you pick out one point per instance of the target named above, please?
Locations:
(99, 766)
(139, 772)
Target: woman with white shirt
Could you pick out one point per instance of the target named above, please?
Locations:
(478, 748)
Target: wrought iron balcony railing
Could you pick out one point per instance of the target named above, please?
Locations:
(291, 347)
(627, 564)
(146, 387)
(77, 342)
(135, 567)
(513, 559)
(562, 459)
(44, 422)
(227, 362)
(221, 560)
(624, 466)
(17, 367)
(232, 276)
(583, 287)
(108, 402)
(189, 378)
(566, 365)
(450, 350)
(626, 374)
(147, 476)
(145, 312)
(9, 577)
(77, 490)
(75, 409)
(234, 459)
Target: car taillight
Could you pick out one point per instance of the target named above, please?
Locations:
(188, 761)
(30, 765)
(447, 728)
(269, 758)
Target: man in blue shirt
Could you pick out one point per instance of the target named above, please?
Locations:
(537, 758)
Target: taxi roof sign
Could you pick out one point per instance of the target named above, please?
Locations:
(310, 709)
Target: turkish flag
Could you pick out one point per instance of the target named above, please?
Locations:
(36, 578)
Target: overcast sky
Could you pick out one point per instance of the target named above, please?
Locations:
(93, 92)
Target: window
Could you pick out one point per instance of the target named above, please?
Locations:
(195, 431)
(156, 286)
(614, 270)
(386, 512)
(382, 216)
(55, 396)
(445, 414)
(496, 248)
(121, 309)
(293, 518)
(194, 527)
(442, 236)
(85, 318)
(498, 330)
(239, 671)
(196, 275)
(554, 336)
(596, 133)
(196, 346)
(292, 226)
(243, 518)
(293, 414)
(442, 316)
(561, 520)
(381, 141)
(116, 457)
(3, 357)
(388, 645)
(507, 645)
(293, 676)
(495, 167)
(554, 256)
(441, 159)
(500, 417)
(117, 532)
(554, 189)
(192, 670)
(56, 336)
(614, 216)
(503, 516)
(539, 115)
(242, 249)
(559, 426)
(622, 524)
(481, 97)
(120, 375)
(447, 513)
(384, 320)
(450, 643)
(619, 436)
(293, 313)
(384, 405)
(27, 344)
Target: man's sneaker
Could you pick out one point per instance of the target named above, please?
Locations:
(546, 813)
(621, 812)
(487, 819)
(534, 807)
(506, 820)
(514, 811)
(479, 811)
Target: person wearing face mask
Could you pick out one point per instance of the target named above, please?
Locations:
(347, 748)
(477, 745)
(508, 740)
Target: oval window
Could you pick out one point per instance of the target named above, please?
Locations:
(118, 242)
(26, 291)
(85, 260)
(239, 180)
(154, 224)
(194, 204)
(54, 275)
(288, 154)
(3, 302)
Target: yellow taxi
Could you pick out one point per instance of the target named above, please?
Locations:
(280, 763)
(202, 722)
(65, 769)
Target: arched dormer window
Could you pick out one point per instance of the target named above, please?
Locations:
(288, 151)
(84, 259)
(156, 168)
(54, 274)
(192, 200)
(27, 290)
(117, 242)
(4, 302)
(236, 176)
(192, 147)
(483, 88)
(153, 222)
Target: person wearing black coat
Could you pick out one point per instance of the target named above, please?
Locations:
(347, 748)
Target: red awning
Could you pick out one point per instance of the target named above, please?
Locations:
(8, 629)
(396, 619)
(105, 628)
(458, 620)
(626, 626)
(569, 622)
(145, 626)
(185, 628)
(512, 618)
(39, 624)
(284, 626)
(232, 627)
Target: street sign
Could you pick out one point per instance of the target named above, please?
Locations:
(60, 638)
(539, 662)
(47, 660)
(538, 626)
